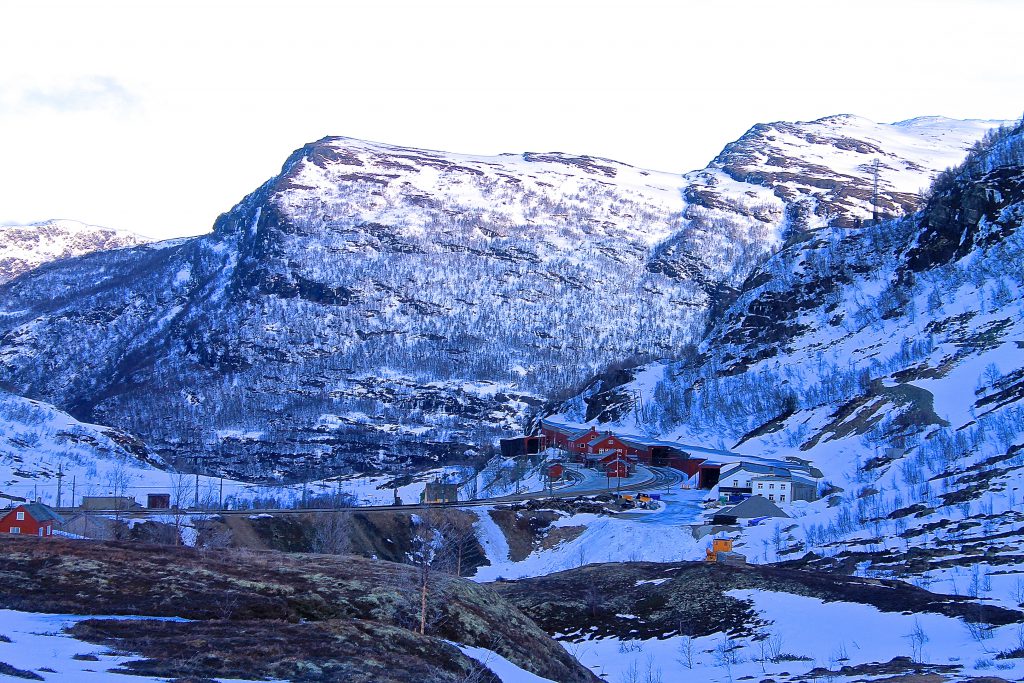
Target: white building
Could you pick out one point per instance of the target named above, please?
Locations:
(777, 484)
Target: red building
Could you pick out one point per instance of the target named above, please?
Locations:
(519, 446)
(709, 473)
(590, 446)
(658, 454)
(31, 519)
(578, 444)
(618, 467)
(605, 443)
(557, 435)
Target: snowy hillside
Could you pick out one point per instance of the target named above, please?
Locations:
(38, 442)
(24, 247)
(828, 164)
(892, 357)
(376, 306)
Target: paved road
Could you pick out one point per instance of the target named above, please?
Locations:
(681, 507)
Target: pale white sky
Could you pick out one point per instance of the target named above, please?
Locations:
(157, 116)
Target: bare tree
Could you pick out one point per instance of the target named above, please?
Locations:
(581, 555)
(686, 652)
(593, 598)
(653, 673)
(727, 654)
(632, 673)
(429, 538)
(331, 532)
(918, 638)
(181, 487)
(119, 478)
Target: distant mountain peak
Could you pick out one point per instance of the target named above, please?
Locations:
(24, 247)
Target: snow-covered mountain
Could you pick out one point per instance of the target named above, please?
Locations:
(828, 165)
(24, 247)
(38, 442)
(891, 357)
(376, 305)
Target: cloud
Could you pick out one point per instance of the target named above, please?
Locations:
(86, 94)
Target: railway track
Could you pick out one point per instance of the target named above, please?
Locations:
(661, 478)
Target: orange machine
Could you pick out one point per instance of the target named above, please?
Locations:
(718, 545)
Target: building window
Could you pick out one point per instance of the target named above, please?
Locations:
(760, 484)
(40, 532)
(771, 496)
(771, 486)
(782, 498)
(20, 516)
(15, 529)
(736, 483)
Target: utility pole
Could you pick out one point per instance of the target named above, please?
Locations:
(874, 193)
(195, 469)
(73, 482)
(60, 477)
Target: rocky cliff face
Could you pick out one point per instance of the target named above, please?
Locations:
(24, 247)
(377, 306)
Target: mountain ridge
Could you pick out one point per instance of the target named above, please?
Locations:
(347, 310)
(28, 246)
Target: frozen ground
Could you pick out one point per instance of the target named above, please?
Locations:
(39, 645)
(802, 634)
(504, 669)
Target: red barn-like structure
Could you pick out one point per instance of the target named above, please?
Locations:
(606, 443)
(30, 519)
(578, 444)
(617, 468)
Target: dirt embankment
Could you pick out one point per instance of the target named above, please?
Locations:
(528, 526)
(375, 534)
(301, 617)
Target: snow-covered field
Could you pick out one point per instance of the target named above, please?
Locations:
(802, 634)
(501, 667)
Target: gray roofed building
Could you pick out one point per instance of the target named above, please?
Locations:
(755, 506)
(755, 468)
(43, 513)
